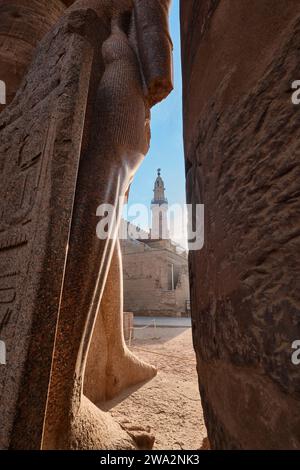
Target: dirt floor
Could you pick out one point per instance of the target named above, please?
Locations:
(169, 404)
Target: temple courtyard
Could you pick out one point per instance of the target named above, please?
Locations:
(169, 404)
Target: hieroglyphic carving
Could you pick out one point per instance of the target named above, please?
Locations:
(12, 239)
(8, 295)
(18, 192)
(41, 135)
(71, 57)
(5, 321)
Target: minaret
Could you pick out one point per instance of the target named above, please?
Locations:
(159, 208)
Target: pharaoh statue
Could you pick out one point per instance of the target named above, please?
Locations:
(73, 136)
(137, 75)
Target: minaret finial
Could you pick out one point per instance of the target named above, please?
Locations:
(159, 207)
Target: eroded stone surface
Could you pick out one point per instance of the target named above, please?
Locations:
(118, 139)
(72, 139)
(40, 148)
(242, 158)
(23, 23)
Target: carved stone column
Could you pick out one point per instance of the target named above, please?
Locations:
(242, 159)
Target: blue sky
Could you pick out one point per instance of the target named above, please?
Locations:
(166, 150)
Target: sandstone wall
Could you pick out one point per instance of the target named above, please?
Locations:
(242, 161)
(23, 23)
(146, 281)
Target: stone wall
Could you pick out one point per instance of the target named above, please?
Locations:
(242, 161)
(23, 23)
(147, 283)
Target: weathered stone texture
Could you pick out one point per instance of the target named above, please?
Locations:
(23, 23)
(242, 161)
(118, 141)
(73, 138)
(40, 147)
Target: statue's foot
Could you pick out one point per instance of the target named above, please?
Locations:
(93, 429)
(89, 428)
(124, 371)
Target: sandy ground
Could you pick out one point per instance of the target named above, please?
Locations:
(169, 403)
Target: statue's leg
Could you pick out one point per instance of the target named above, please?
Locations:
(95, 372)
(69, 413)
(123, 368)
